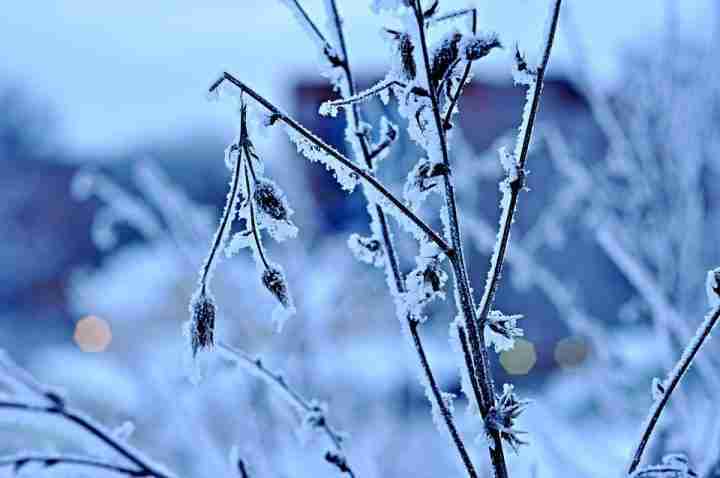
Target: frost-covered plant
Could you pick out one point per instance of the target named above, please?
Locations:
(427, 78)
(429, 70)
(261, 205)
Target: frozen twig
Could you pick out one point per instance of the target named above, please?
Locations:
(314, 413)
(651, 292)
(672, 381)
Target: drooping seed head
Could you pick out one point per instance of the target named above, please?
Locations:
(202, 323)
(274, 281)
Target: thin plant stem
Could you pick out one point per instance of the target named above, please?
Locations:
(225, 222)
(518, 184)
(364, 95)
(671, 383)
(253, 221)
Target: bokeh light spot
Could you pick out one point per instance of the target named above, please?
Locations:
(571, 352)
(521, 359)
(92, 334)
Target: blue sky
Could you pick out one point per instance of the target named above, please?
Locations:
(122, 73)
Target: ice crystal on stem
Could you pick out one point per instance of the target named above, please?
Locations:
(501, 330)
(367, 249)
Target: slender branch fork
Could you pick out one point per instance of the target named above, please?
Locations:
(354, 120)
(676, 374)
(475, 351)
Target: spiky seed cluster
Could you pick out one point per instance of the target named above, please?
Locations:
(202, 326)
(274, 281)
(269, 200)
(479, 46)
(502, 416)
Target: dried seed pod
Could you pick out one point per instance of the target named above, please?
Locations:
(421, 179)
(202, 322)
(274, 281)
(270, 200)
(502, 330)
